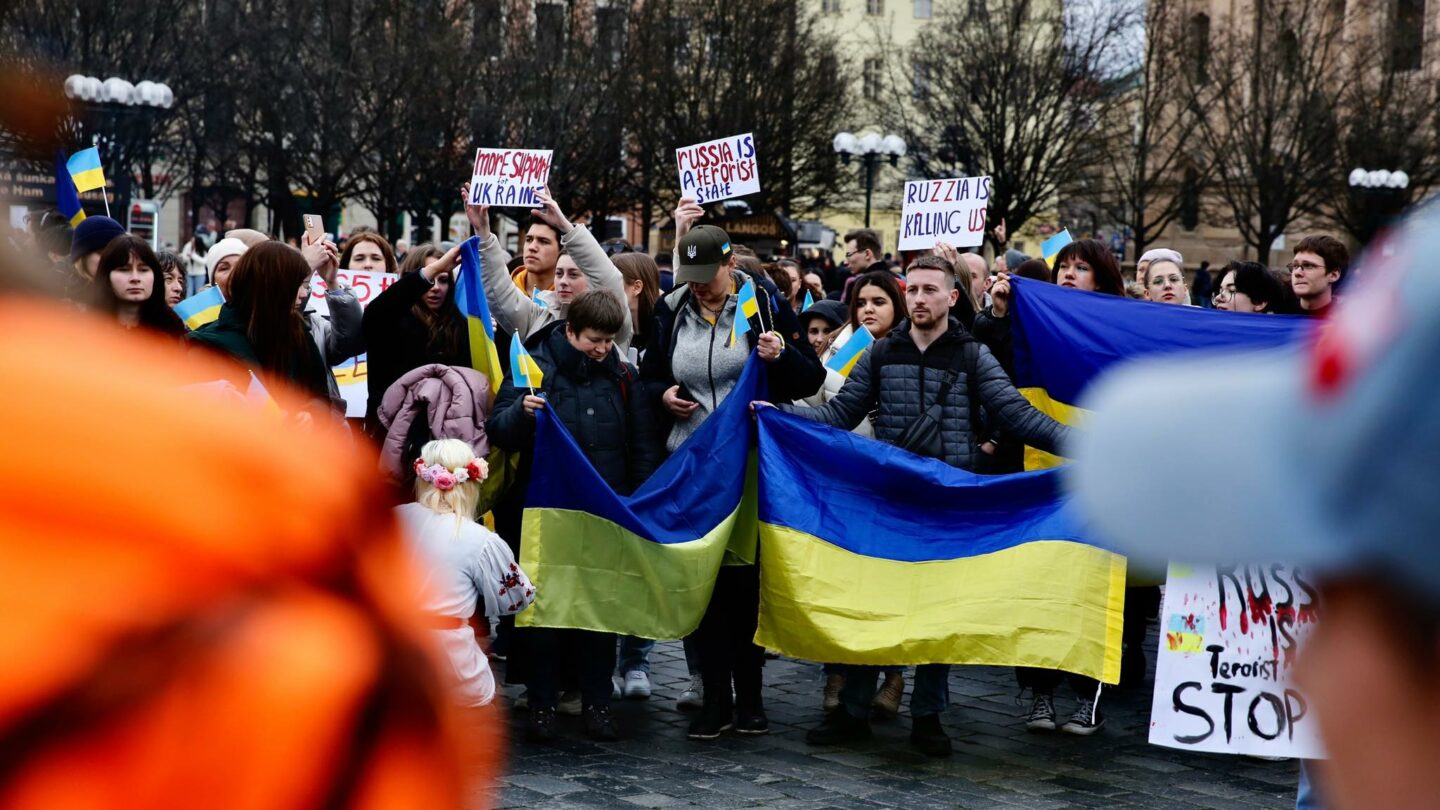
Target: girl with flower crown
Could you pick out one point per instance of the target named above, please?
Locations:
(464, 567)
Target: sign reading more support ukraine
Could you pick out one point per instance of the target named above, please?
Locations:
(509, 178)
(1228, 640)
(719, 169)
(951, 211)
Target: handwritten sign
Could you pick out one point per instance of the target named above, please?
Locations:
(719, 169)
(951, 211)
(509, 177)
(364, 283)
(1228, 640)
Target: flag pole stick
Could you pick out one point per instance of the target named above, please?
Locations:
(104, 195)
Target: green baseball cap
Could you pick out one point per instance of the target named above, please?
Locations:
(701, 253)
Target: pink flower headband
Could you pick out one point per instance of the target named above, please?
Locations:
(445, 479)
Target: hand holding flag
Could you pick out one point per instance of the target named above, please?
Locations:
(746, 307)
(523, 369)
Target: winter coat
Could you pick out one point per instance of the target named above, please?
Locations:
(516, 312)
(685, 349)
(907, 381)
(995, 334)
(453, 402)
(226, 335)
(338, 335)
(398, 341)
(602, 404)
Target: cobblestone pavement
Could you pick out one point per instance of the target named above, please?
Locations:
(996, 763)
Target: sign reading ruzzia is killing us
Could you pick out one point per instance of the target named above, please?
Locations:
(1228, 639)
(951, 211)
(719, 169)
(509, 177)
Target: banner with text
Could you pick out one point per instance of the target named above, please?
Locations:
(350, 375)
(1228, 639)
(951, 211)
(719, 169)
(509, 178)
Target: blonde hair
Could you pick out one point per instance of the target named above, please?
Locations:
(460, 500)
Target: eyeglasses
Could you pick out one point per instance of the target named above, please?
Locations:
(1160, 281)
(1306, 266)
(848, 254)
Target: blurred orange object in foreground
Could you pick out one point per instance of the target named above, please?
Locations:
(199, 606)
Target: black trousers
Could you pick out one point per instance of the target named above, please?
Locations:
(726, 644)
(552, 651)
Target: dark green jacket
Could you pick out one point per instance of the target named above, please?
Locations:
(226, 335)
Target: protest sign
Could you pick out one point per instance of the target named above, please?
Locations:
(951, 211)
(509, 177)
(719, 169)
(1228, 639)
(350, 375)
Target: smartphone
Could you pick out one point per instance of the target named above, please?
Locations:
(684, 393)
(315, 227)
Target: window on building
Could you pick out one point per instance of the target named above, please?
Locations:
(830, 6)
(871, 76)
(1199, 45)
(920, 81)
(549, 27)
(874, 7)
(924, 9)
(610, 31)
(1407, 34)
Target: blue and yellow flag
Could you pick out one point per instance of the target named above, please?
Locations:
(259, 396)
(200, 308)
(906, 560)
(536, 299)
(645, 564)
(1064, 339)
(746, 307)
(84, 168)
(67, 200)
(850, 353)
(809, 301)
(470, 298)
(523, 368)
(1051, 247)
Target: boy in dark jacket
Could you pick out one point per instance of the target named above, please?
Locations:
(597, 396)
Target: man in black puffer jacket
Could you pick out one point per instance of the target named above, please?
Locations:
(929, 357)
(597, 396)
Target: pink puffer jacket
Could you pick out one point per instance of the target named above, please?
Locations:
(454, 401)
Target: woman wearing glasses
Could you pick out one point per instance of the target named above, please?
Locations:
(1251, 287)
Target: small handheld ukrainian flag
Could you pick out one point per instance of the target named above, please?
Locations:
(259, 396)
(535, 297)
(849, 354)
(66, 198)
(200, 308)
(1051, 247)
(84, 167)
(523, 369)
(809, 302)
(746, 307)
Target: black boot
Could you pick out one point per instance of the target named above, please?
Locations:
(714, 719)
(540, 728)
(839, 727)
(598, 725)
(928, 737)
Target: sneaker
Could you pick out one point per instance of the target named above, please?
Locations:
(839, 727)
(710, 724)
(928, 737)
(598, 725)
(1086, 720)
(834, 682)
(693, 697)
(637, 685)
(540, 727)
(523, 702)
(753, 724)
(887, 701)
(569, 704)
(1042, 714)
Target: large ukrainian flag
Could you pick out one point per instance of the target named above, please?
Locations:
(1064, 340)
(642, 565)
(872, 555)
(470, 298)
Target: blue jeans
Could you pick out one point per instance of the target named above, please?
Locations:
(635, 654)
(1306, 796)
(930, 694)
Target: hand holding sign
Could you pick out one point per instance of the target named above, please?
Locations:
(550, 213)
(718, 169)
(687, 213)
(479, 215)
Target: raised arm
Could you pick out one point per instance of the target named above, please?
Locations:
(1015, 413)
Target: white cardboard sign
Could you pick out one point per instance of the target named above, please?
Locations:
(1228, 640)
(351, 374)
(950, 211)
(719, 169)
(509, 178)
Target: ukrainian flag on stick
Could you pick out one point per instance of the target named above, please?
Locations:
(1065, 339)
(746, 307)
(642, 565)
(200, 308)
(84, 167)
(470, 298)
(850, 353)
(523, 367)
(66, 198)
(1051, 247)
(906, 560)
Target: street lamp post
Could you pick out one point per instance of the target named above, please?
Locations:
(871, 148)
(111, 98)
(1382, 191)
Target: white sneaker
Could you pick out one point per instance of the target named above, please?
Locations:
(569, 704)
(693, 697)
(637, 685)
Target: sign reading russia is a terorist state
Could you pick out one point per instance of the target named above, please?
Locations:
(718, 169)
(950, 211)
(509, 178)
